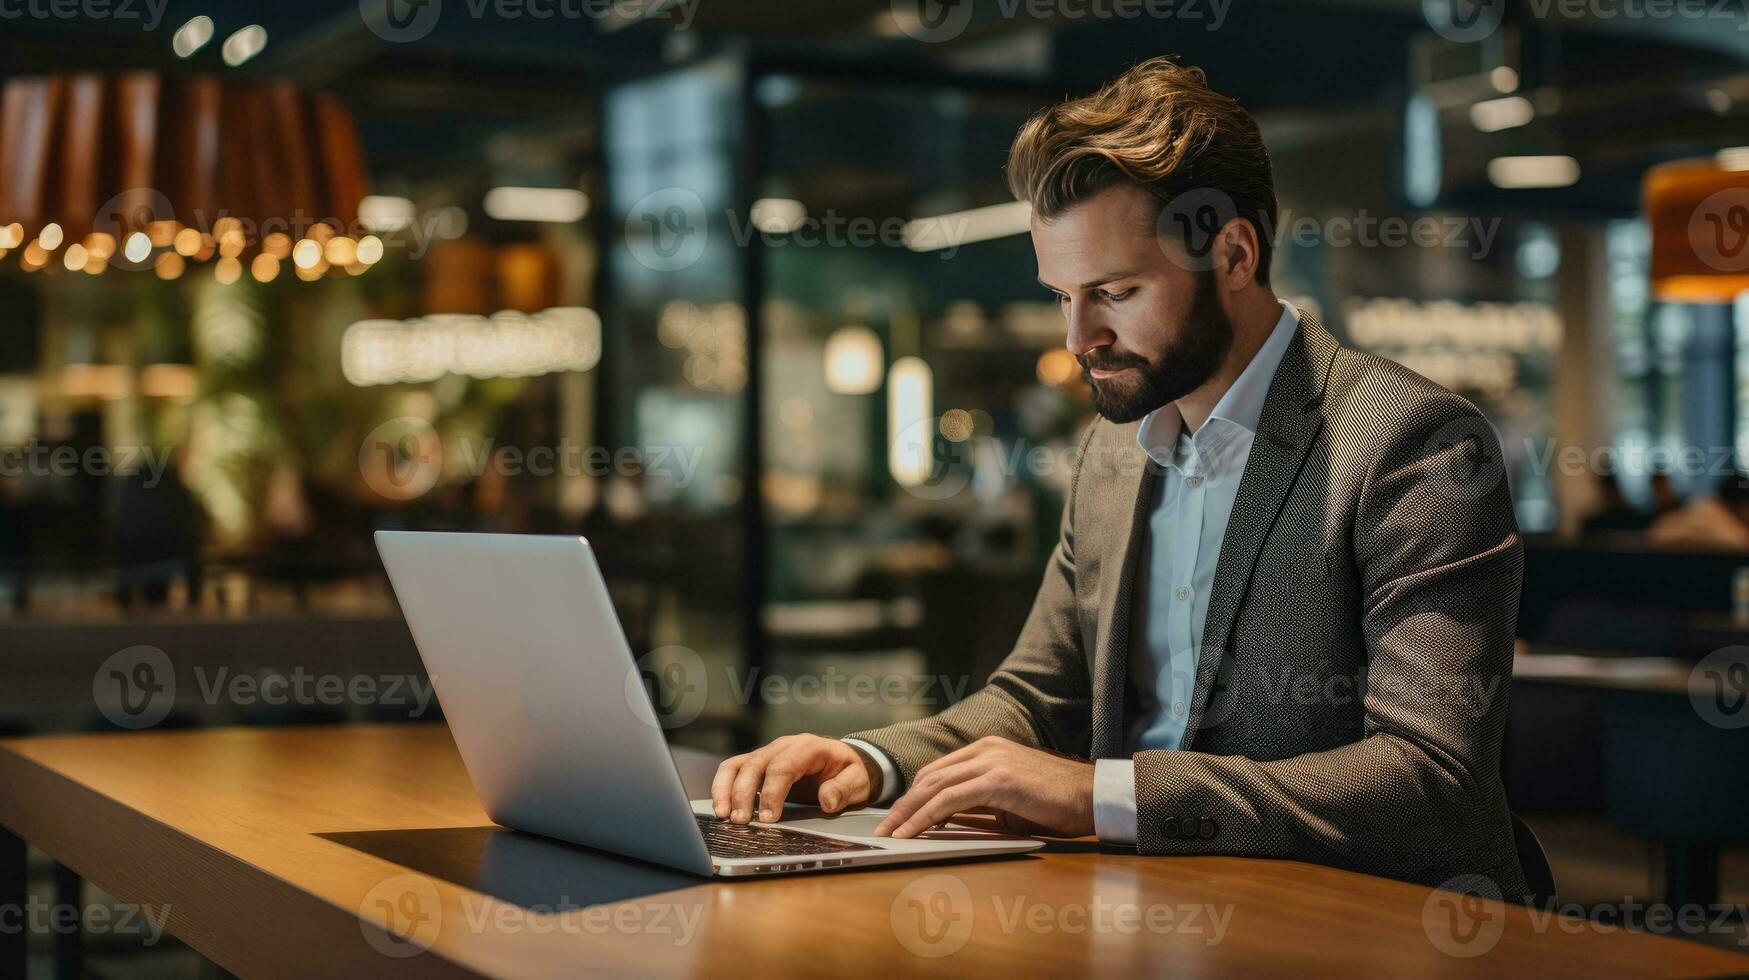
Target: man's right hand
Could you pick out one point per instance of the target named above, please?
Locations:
(823, 770)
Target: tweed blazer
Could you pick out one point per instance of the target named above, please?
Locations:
(1352, 684)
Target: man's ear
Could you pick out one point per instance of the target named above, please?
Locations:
(1237, 254)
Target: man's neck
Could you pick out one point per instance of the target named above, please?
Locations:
(1256, 316)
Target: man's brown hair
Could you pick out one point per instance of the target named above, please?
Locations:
(1161, 127)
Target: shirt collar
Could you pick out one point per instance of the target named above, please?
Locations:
(1241, 404)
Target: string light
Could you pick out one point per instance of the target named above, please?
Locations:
(306, 254)
(100, 245)
(138, 247)
(186, 242)
(341, 250)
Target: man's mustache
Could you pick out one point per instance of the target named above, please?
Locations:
(1103, 359)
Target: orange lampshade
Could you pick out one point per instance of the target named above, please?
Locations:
(459, 276)
(1699, 214)
(528, 277)
(108, 156)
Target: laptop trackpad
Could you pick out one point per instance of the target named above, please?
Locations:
(856, 823)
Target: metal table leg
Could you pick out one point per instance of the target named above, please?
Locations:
(14, 930)
(70, 945)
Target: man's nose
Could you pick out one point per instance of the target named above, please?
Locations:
(1085, 330)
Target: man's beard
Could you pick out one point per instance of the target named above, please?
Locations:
(1202, 343)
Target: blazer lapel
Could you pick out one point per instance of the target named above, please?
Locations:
(1135, 487)
(1285, 431)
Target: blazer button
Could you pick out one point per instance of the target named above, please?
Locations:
(1208, 829)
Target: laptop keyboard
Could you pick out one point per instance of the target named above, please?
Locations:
(733, 840)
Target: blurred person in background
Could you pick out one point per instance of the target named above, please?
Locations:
(1614, 512)
(14, 550)
(158, 529)
(1664, 499)
(1717, 521)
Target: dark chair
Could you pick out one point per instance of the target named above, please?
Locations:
(1678, 780)
(1535, 863)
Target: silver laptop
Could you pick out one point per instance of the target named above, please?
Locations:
(557, 730)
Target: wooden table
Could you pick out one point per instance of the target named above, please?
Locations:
(362, 851)
(1691, 728)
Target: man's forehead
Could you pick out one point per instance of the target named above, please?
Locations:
(1084, 252)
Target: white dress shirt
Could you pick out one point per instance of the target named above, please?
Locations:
(1199, 482)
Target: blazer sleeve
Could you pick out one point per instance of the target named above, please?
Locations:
(1440, 565)
(1039, 696)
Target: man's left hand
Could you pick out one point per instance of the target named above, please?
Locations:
(1033, 791)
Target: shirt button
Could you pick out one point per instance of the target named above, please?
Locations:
(1182, 593)
(1178, 709)
(1193, 482)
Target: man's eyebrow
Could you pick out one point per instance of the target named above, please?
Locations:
(1089, 284)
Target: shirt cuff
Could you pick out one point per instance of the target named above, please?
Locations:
(890, 774)
(1114, 800)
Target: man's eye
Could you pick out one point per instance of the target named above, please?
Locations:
(1061, 299)
(1116, 297)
